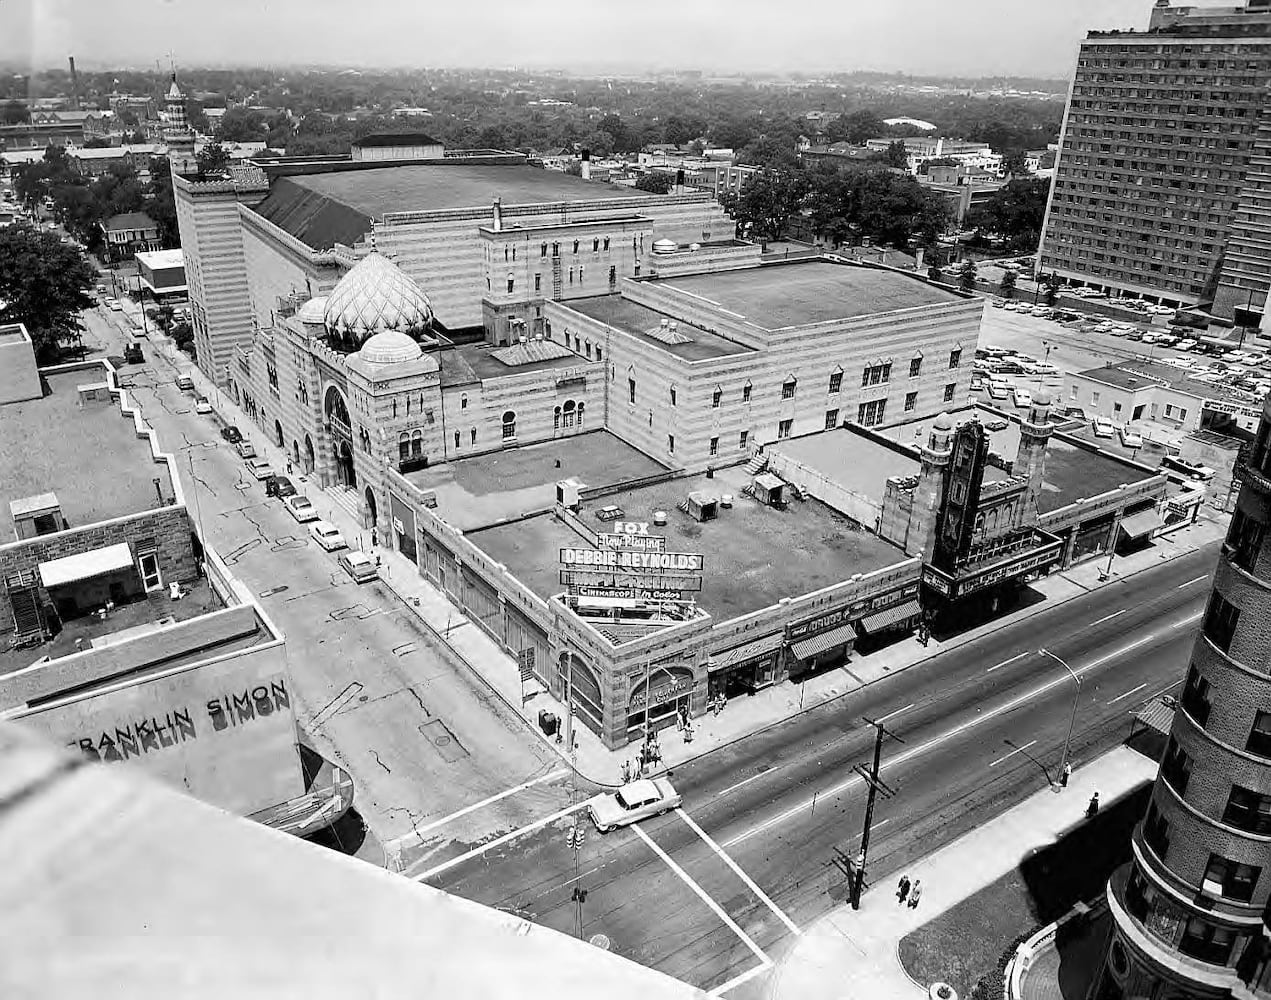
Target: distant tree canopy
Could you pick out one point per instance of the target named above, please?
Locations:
(241, 125)
(1016, 213)
(768, 201)
(14, 113)
(44, 284)
(885, 206)
(855, 127)
(655, 182)
(212, 159)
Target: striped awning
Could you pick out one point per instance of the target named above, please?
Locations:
(1140, 524)
(98, 562)
(891, 616)
(747, 651)
(1158, 715)
(825, 641)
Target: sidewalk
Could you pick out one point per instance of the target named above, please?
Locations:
(495, 668)
(850, 953)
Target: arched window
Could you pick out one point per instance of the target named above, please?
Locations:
(556, 419)
(581, 406)
(417, 444)
(463, 401)
(568, 413)
(403, 446)
(509, 425)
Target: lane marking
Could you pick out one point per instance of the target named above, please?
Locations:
(1012, 753)
(1128, 693)
(744, 978)
(476, 852)
(750, 883)
(1017, 656)
(747, 781)
(418, 832)
(1190, 582)
(701, 894)
(892, 715)
(1188, 620)
(1108, 618)
(936, 741)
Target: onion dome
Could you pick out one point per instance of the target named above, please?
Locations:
(373, 297)
(311, 313)
(390, 347)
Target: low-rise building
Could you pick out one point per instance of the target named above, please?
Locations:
(100, 160)
(129, 233)
(162, 274)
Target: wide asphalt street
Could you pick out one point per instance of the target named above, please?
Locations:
(982, 725)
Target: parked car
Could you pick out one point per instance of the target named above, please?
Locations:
(260, 468)
(327, 535)
(1131, 439)
(1192, 470)
(231, 434)
(185, 383)
(299, 507)
(279, 486)
(1103, 427)
(133, 353)
(202, 405)
(997, 303)
(359, 565)
(633, 802)
(998, 391)
(246, 449)
(114, 305)
(1023, 398)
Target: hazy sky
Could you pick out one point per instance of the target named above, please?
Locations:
(967, 37)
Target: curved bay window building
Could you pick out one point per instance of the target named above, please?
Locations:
(1190, 910)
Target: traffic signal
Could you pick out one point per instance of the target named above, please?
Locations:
(576, 836)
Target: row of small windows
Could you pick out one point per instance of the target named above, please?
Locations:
(597, 244)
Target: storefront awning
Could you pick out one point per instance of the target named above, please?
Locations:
(1159, 716)
(749, 651)
(826, 640)
(890, 617)
(1141, 524)
(58, 572)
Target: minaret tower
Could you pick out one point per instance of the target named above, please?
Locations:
(179, 138)
(929, 494)
(1034, 436)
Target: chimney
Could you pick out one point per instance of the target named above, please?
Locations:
(498, 214)
(679, 181)
(74, 84)
(586, 164)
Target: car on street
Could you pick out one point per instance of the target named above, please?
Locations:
(231, 434)
(1102, 427)
(299, 507)
(246, 449)
(1023, 398)
(359, 565)
(114, 305)
(185, 383)
(280, 487)
(998, 303)
(202, 405)
(260, 468)
(327, 535)
(1192, 470)
(1131, 439)
(633, 802)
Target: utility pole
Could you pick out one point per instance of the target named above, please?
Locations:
(876, 784)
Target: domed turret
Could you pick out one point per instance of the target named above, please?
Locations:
(373, 297)
(390, 347)
(311, 313)
(943, 422)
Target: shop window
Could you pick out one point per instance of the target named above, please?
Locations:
(1221, 618)
(714, 446)
(1176, 767)
(509, 425)
(1156, 831)
(949, 390)
(1244, 540)
(1195, 700)
(1230, 879)
(1248, 810)
(784, 428)
(831, 419)
(836, 381)
(1259, 741)
(911, 401)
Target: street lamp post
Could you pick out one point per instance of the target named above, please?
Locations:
(1075, 698)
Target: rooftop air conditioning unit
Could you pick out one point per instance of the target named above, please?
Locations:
(569, 493)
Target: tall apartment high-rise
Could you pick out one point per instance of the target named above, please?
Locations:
(1190, 913)
(1162, 186)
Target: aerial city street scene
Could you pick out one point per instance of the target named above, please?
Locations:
(740, 500)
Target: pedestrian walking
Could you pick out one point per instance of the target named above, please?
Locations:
(289, 467)
(688, 733)
(626, 771)
(683, 715)
(723, 701)
(915, 894)
(1093, 807)
(679, 721)
(902, 889)
(1065, 774)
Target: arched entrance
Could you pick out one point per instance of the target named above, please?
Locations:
(371, 518)
(310, 458)
(279, 440)
(345, 474)
(655, 700)
(295, 451)
(579, 680)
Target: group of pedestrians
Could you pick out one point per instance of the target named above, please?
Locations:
(909, 892)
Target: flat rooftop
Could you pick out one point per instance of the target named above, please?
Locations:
(161, 258)
(777, 296)
(91, 458)
(474, 362)
(485, 489)
(1134, 374)
(755, 555)
(1072, 472)
(855, 461)
(325, 208)
(637, 320)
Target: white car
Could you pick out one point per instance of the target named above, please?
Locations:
(299, 507)
(327, 535)
(633, 802)
(1103, 427)
(114, 305)
(1131, 439)
(998, 391)
(1023, 398)
(260, 468)
(1193, 470)
(202, 405)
